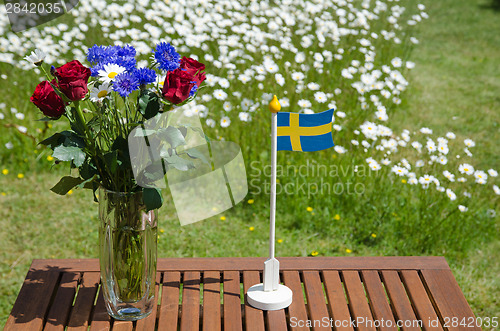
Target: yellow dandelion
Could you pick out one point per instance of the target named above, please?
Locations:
(49, 126)
(277, 181)
(347, 250)
(50, 158)
(309, 209)
(70, 192)
(223, 218)
(162, 230)
(403, 181)
(336, 217)
(374, 235)
(36, 151)
(314, 253)
(280, 241)
(250, 201)
(5, 171)
(3, 194)
(20, 176)
(251, 228)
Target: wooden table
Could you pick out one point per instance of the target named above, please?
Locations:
(208, 294)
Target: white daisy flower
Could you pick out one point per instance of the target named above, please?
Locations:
(224, 83)
(339, 149)
(396, 62)
(450, 135)
(225, 121)
(227, 106)
(109, 72)
(9, 145)
(340, 114)
(492, 172)
(375, 166)
(463, 209)
(244, 116)
(304, 103)
(400, 171)
(469, 143)
(449, 175)
(20, 116)
(412, 181)
(461, 179)
(100, 92)
(426, 131)
(451, 195)
(210, 122)
(419, 163)
(245, 104)
(313, 86)
(466, 169)
(431, 146)
(496, 189)
(36, 57)
(22, 129)
(297, 76)
(480, 176)
(279, 79)
(442, 159)
(220, 94)
(320, 97)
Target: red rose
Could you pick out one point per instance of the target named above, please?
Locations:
(177, 85)
(73, 78)
(47, 100)
(195, 68)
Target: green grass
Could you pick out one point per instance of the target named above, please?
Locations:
(454, 87)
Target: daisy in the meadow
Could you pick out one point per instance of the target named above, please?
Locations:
(100, 92)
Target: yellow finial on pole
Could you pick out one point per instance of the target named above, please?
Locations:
(274, 105)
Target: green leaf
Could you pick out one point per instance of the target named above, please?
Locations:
(179, 163)
(111, 159)
(152, 198)
(121, 146)
(148, 104)
(52, 141)
(88, 169)
(173, 136)
(65, 153)
(65, 184)
(196, 154)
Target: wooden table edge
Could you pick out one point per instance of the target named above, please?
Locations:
(256, 263)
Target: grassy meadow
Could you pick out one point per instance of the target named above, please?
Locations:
(332, 203)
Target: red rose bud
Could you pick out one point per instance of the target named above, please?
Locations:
(177, 85)
(47, 100)
(194, 68)
(73, 78)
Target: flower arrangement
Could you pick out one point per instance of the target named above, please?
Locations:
(118, 96)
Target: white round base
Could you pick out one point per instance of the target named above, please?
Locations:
(271, 300)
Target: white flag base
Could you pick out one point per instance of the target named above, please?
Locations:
(269, 300)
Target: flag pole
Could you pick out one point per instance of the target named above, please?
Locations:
(271, 295)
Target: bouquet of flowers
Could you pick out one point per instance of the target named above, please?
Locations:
(104, 103)
(118, 97)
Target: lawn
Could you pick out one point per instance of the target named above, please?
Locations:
(453, 87)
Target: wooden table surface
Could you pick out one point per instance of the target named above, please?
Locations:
(330, 293)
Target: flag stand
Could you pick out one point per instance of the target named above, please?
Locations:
(271, 295)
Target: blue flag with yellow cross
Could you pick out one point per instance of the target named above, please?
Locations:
(304, 132)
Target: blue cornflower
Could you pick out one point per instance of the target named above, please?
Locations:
(94, 53)
(193, 91)
(126, 51)
(145, 76)
(101, 55)
(166, 56)
(125, 83)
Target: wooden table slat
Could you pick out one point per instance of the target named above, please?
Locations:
(376, 288)
(61, 308)
(149, 322)
(378, 299)
(421, 302)
(316, 303)
(169, 306)
(123, 326)
(297, 309)
(211, 301)
(448, 298)
(337, 304)
(100, 320)
(190, 314)
(80, 315)
(358, 303)
(33, 300)
(399, 300)
(232, 301)
(254, 318)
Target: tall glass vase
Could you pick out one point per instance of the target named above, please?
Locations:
(127, 254)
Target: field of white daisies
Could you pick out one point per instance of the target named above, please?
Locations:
(396, 183)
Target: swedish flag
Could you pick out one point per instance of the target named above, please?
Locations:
(304, 132)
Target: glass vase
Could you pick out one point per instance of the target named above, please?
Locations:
(127, 254)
